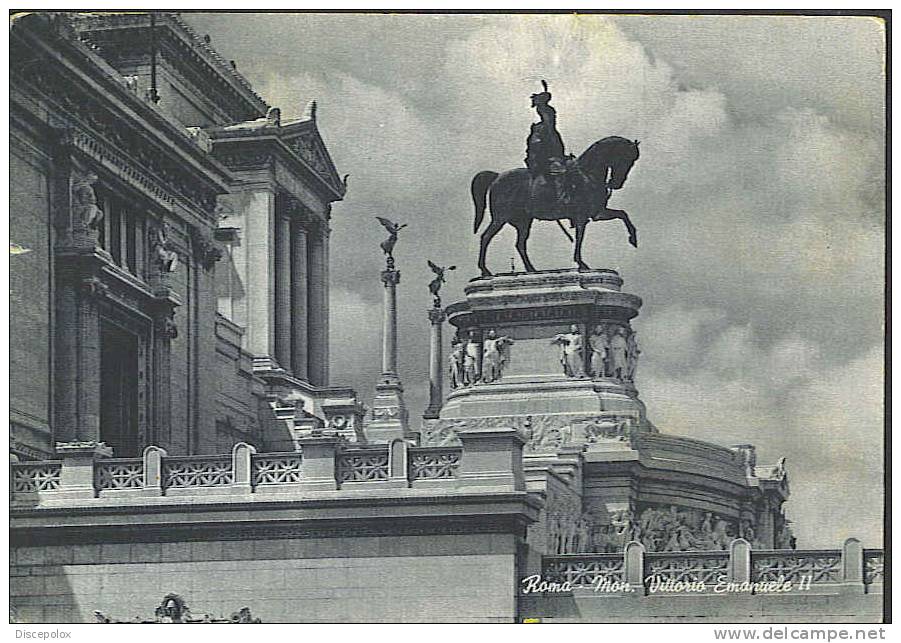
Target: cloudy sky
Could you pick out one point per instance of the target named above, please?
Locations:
(758, 200)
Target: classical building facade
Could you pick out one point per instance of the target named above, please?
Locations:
(174, 287)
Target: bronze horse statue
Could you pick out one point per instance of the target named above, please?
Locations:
(590, 179)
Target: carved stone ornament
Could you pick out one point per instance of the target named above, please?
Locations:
(165, 259)
(84, 201)
(206, 250)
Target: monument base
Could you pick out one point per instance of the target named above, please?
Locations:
(390, 419)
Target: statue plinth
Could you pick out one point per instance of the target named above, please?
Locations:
(573, 353)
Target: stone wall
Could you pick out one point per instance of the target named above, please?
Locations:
(29, 301)
(461, 577)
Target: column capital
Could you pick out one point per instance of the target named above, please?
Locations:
(436, 315)
(390, 277)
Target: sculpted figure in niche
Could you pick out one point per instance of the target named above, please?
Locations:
(456, 363)
(600, 346)
(632, 353)
(85, 202)
(495, 355)
(617, 353)
(166, 259)
(571, 352)
(471, 361)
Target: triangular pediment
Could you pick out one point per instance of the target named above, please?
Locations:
(304, 140)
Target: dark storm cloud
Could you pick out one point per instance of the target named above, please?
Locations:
(758, 199)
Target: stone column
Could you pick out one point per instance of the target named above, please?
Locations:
(436, 364)
(88, 367)
(283, 291)
(318, 304)
(390, 279)
(260, 277)
(389, 413)
(299, 302)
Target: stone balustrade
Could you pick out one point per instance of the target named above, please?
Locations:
(851, 567)
(325, 464)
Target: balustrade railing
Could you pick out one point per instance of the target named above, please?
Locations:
(746, 570)
(276, 468)
(31, 477)
(589, 570)
(119, 473)
(438, 463)
(362, 465)
(181, 472)
(687, 567)
(873, 566)
(819, 566)
(326, 463)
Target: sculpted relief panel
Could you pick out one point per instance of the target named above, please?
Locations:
(542, 433)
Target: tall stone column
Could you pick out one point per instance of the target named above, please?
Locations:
(299, 302)
(88, 365)
(318, 305)
(436, 363)
(389, 413)
(283, 333)
(260, 276)
(390, 278)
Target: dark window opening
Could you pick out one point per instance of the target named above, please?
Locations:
(119, 391)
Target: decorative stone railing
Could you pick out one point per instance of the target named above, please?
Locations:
(119, 473)
(488, 460)
(275, 468)
(438, 463)
(585, 570)
(821, 566)
(851, 566)
(32, 477)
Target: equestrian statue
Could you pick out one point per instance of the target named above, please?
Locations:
(553, 186)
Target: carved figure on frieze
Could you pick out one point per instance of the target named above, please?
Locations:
(84, 202)
(457, 357)
(571, 352)
(471, 356)
(166, 259)
(632, 353)
(599, 343)
(618, 348)
(435, 284)
(495, 355)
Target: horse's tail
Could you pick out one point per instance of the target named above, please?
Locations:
(479, 189)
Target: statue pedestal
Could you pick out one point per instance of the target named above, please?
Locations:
(532, 309)
(389, 413)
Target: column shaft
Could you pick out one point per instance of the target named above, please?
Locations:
(283, 292)
(436, 362)
(318, 306)
(389, 330)
(299, 302)
(260, 275)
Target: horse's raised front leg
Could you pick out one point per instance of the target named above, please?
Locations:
(492, 229)
(523, 228)
(580, 237)
(621, 214)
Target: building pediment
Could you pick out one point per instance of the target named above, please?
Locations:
(299, 140)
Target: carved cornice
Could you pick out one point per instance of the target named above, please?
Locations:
(97, 122)
(127, 36)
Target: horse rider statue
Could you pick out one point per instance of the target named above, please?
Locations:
(545, 154)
